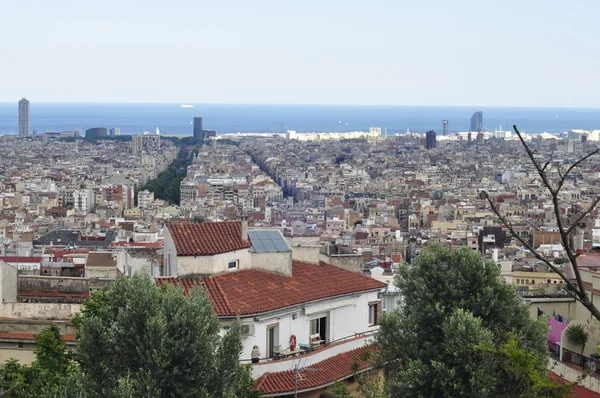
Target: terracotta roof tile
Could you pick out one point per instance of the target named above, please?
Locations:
(254, 291)
(29, 336)
(207, 238)
(332, 369)
(20, 259)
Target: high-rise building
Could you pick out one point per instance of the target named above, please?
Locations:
(477, 122)
(198, 132)
(23, 117)
(445, 126)
(430, 139)
(146, 143)
(115, 131)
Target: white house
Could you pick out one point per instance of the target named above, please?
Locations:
(326, 310)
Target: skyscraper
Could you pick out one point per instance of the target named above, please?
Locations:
(445, 126)
(198, 132)
(430, 139)
(115, 131)
(477, 122)
(23, 117)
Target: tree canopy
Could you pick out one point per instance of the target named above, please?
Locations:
(461, 332)
(136, 340)
(157, 342)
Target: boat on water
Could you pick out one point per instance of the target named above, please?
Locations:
(187, 106)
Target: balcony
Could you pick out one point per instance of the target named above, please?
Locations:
(329, 350)
(57, 264)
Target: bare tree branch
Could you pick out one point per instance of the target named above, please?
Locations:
(576, 290)
(583, 214)
(525, 243)
(571, 167)
(546, 165)
(530, 153)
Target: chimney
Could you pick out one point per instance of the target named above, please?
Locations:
(578, 241)
(244, 227)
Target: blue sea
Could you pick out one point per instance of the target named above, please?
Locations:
(172, 119)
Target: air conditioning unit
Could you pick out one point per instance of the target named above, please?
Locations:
(247, 329)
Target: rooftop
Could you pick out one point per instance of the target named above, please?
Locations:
(207, 238)
(253, 291)
(330, 370)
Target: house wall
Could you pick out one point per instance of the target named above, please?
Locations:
(210, 265)
(349, 262)
(170, 255)
(53, 283)
(280, 262)
(347, 315)
(25, 356)
(48, 311)
(8, 285)
(306, 253)
(101, 272)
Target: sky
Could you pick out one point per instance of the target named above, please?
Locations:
(392, 52)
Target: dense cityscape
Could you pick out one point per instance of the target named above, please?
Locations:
(301, 236)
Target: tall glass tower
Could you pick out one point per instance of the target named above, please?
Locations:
(198, 132)
(477, 122)
(23, 117)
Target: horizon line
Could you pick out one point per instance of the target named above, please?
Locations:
(300, 104)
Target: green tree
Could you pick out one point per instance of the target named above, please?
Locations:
(51, 352)
(51, 375)
(576, 335)
(138, 339)
(455, 302)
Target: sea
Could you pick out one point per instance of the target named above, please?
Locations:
(173, 119)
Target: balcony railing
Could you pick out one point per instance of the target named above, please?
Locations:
(591, 364)
(554, 349)
(57, 264)
(312, 356)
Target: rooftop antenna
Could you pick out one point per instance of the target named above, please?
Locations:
(298, 376)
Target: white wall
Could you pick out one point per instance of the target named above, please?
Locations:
(279, 262)
(47, 311)
(8, 285)
(170, 255)
(347, 315)
(208, 265)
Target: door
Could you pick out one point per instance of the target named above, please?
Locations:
(273, 340)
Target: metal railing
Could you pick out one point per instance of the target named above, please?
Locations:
(554, 349)
(592, 364)
(317, 348)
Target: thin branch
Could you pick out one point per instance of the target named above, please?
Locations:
(554, 193)
(525, 243)
(583, 214)
(530, 153)
(571, 167)
(546, 165)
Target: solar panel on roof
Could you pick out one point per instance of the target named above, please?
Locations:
(269, 245)
(267, 241)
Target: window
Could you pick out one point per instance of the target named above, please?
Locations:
(533, 281)
(522, 281)
(527, 281)
(373, 314)
(518, 282)
(233, 264)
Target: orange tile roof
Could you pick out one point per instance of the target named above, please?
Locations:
(332, 369)
(254, 291)
(29, 336)
(207, 238)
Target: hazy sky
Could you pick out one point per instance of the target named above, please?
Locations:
(480, 52)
